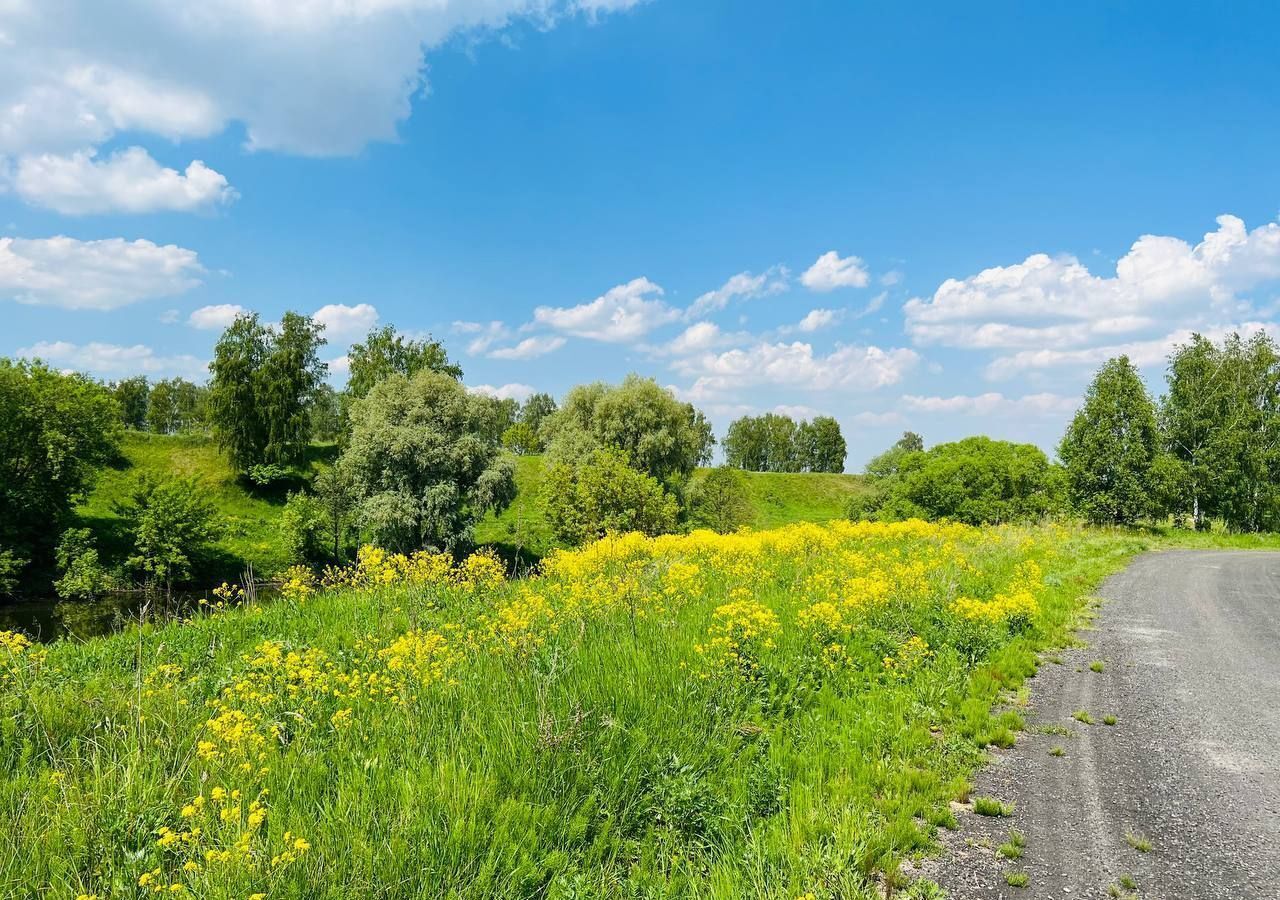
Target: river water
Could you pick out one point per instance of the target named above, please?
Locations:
(49, 618)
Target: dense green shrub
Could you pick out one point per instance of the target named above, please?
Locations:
(720, 501)
(83, 576)
(172, 524)
(602, 493)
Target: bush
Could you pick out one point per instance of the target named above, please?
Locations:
(304, 529)
(977, 481)
(601, 494)
(721, 502)
(520, 438)
(172, 525)
(83, 577)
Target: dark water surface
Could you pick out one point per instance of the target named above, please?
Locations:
(49, 618)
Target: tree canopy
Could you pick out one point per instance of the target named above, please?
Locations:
(774, 442)
(384, 353)
(422, 465)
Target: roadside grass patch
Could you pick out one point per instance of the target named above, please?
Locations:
(1017, 879)
(1127, 882)
(990, 806)
(1057, 751)
(1014, 847)
(1137, 842)
(1082, 716)
(1097, 665)
(1109, 720)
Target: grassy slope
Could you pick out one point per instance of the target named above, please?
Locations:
(250, 522)
(779, 499)
(597, 767)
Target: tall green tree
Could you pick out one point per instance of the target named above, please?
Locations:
(1110, 447)
(535, 410)
(1221, 422)
(132, 394)
(173, 523)
(658, 434)
(721, 501)
(887, 464)
(56, 432)
(822, 446)
(384, 353)
(591, 496)
(263, 385)
(175, 406)
(422, 462)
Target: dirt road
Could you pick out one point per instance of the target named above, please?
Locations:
(1189, 646)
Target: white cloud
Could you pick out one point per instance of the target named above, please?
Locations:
(744, 285)
(318, 77)
(342, 322)
(529, 348)
(622, 314)
(1142, 353)
(830, 272)
(105, 274)
(993, 403)
(1057, 301)
(128, 182)
(486, 334)
(818, 319)
(513, 391)
(110, 360)
(340, 366)
(696, 338)
(890, 278)
(796, 365)
(797, 411)
(215, 317)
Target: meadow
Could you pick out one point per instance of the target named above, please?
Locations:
(777, 714)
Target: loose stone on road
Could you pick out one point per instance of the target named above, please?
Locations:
(1189, 643)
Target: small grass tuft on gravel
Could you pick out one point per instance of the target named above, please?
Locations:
(1137, 842)
(1016, 879)
(1108, 720)
(1057, 751)
(1082, 716)
(1097, 665)
(990, 806)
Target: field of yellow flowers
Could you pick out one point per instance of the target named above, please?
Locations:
(766, 714)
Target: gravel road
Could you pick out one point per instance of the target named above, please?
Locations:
(1190, 646)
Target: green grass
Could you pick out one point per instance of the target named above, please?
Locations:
(249, 518)
(1017, 879)
(1138, 842)
(1097, 666)
(1082, 716)
(989, 806)
(596, 752)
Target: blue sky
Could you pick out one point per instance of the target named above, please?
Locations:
(932, 218)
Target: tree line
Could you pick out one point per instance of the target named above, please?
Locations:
(774, 442)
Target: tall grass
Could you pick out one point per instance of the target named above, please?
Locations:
(759, 715)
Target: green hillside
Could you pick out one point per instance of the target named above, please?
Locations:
(250, 518)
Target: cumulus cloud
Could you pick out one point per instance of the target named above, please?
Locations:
(818, 319)
(110, 360)
(343, 322)
(1057, 301)
(743, 285)
(317, 78)
(215, 317)
(621, 314)
(127, 182)
(830, 272)
(993, 403)
(513, 391)
(529, 348)
(103, 275)
(796, 365)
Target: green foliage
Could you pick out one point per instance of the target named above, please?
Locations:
(421, 464)
(328, 415)
(83, 577)
(1110, 447)
(336, 493)
(536, 409)
(1221, 422)
(655, 432)
(890, 461)
(264, 381)
(11, 566)
(384, 353)
(172, 523)
(720, 501)
(133, 396)
(56, 431)
(521, 439)
(304, 529)
(976, 480)
(602, 493)
(176, 405)
(264, 475)
(775, 443)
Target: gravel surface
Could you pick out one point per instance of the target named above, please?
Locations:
(1190, 642)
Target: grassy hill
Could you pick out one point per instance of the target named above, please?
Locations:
(251, 517)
